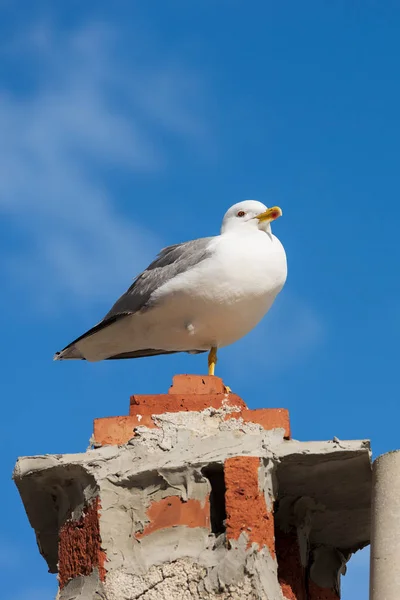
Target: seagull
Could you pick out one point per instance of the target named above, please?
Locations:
(197, 296)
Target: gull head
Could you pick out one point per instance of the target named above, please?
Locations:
(249, 214)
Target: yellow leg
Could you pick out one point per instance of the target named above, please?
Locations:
(212, 360)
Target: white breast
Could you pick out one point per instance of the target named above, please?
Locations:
(226, 295)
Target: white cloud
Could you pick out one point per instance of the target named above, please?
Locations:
(86, 113)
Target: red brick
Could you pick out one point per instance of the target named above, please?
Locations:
(157, 404)
(79, 546)
(245, 504)
(188, 393)
(173, 511)
(290, 571)
(197, 384)
(315, 592)
(291, 574)
(118, 430)
(268, 418)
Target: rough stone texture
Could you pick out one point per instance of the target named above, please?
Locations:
(187, 505)
(181, 579)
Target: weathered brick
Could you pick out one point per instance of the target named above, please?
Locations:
(268, 418)
(157, 404)
(290, 571)
(173, 511)
(246, 508)
(118, 430)
(79, 546)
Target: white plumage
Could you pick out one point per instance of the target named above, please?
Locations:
(195, 296)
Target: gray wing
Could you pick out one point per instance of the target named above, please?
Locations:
(170, 262)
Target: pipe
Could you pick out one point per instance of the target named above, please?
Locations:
(385, 528)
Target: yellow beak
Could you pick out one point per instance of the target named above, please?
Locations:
(270, 215)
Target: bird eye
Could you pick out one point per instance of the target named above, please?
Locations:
(241, 213)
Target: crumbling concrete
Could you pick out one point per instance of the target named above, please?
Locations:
(208, 503)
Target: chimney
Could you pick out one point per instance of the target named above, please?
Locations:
(193, 495)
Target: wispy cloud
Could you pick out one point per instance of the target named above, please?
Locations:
(83, 114)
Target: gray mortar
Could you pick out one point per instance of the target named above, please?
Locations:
(83, 588)
(267, 481)
(322, 488)
(327, 566)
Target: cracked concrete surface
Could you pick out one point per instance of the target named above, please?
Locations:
(180, 579)
(243, 575)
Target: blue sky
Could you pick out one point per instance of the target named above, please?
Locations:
(126, 127)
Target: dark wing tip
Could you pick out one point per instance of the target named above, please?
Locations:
(69, 353)
(72, 352)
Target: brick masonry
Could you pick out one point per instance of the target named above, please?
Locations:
(162, 403)
(268, 418)
(291, 574)
(246, 507)
(79, 546)
(245, 504)
(188, 393)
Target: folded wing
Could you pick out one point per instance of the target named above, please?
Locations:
(170, 262)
